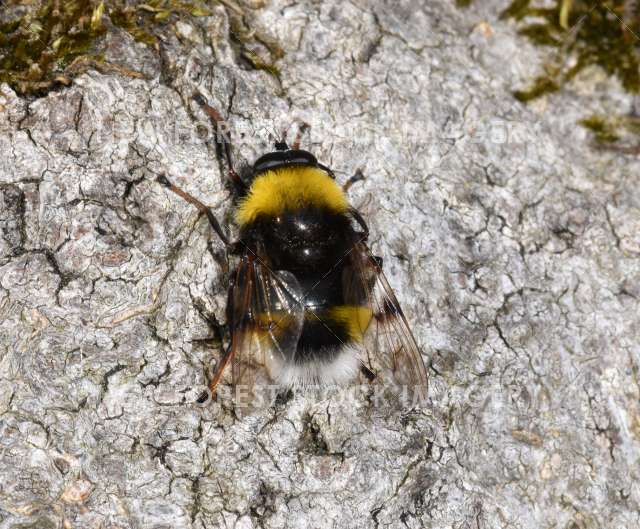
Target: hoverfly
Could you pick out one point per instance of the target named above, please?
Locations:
(308, 303)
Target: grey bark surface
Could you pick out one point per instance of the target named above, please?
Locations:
(513, 245)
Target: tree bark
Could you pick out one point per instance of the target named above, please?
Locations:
(511, 242)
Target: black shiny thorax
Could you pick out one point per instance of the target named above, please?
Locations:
(308, 240)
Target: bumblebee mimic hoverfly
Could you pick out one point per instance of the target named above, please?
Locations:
(308, 303)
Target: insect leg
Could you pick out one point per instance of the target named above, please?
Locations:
(221, 137)
(281, 145)
(357, 177)
(224, 362)
(162, 179)
(358, 218)
(368, 374)
(303, 127)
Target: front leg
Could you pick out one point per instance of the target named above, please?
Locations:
(224, 140)
(163, 180)
(357, 177)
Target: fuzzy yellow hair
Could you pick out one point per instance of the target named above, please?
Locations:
(354, 318)
(290, 188)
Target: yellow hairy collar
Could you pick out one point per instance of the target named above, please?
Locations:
(290, 188)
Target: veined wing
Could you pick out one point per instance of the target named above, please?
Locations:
(390, 351)
(265, 316)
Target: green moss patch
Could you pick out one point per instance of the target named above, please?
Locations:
(46, 42)
(585, 33)
(613, 131)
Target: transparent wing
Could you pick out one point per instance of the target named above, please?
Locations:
(389, 351)
(266, 318)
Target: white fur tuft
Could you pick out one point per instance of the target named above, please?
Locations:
(342, 369)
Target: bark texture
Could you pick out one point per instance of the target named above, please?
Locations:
(512, 243)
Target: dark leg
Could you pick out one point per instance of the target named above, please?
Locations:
(201, 207)
(222, 138)
(355, 178)
(368, 374)
(217, 329)
(281, 145)
(217, 376)
(301, 130)
(358, 218)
